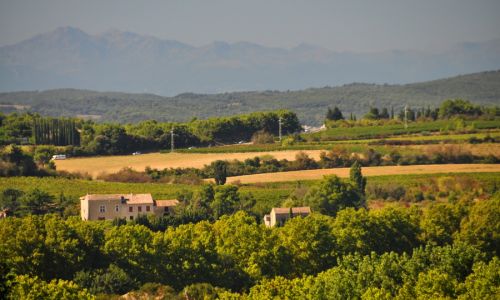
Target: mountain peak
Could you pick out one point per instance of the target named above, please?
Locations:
(67, 31)
(126, 61)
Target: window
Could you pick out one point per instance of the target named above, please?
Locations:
(101, 218)
(131, 217)
(117, 208)
(139, 208)
(147, 207)
(130, 209)
(102, 209)
(165, 209)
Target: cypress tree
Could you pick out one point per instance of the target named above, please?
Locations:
(357, 178)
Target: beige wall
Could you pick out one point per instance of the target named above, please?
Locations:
(90, 210)
(84, 210)
(279, 218)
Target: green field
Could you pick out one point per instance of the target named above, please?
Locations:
(363, 132)
(417, 132)
(267, 195)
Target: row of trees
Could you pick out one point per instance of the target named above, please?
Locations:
(88, 137)
(58, 132)
(448, 109)
(359, 251)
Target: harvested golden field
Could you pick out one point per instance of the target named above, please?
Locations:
(110, 164)
(367, 171)
(474, 149)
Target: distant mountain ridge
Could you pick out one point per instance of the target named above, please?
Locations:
(70, 58)
(310, 104)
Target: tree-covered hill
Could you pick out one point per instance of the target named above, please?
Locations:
(310, 104)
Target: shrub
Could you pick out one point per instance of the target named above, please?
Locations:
(126, 175)
(262, 137)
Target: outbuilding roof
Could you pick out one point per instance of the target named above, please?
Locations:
(295, 210)
(167, 203)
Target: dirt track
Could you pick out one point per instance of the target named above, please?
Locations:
(367, 171)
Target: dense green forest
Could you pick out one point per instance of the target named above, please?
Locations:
(449, 250)
(310, 104)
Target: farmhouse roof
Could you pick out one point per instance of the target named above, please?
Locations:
(130, 198)
(167, 203)
(295, 210)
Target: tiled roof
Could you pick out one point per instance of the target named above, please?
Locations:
(131, 198)
(295, 210)
(167, 203)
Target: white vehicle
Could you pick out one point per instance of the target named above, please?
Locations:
(58, 156)
(137, 153)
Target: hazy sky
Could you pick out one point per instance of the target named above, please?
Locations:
(369, 25)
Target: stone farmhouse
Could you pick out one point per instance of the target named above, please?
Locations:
(123, 206)
(279, 215)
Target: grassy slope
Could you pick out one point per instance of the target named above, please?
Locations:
(310, 104)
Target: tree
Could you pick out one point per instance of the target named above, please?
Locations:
(130, 247)
(10, 200)
(220, 171)
(484, 282)
(24, 164)
(384, 114)
(43, 154)
(482, 227)
(373, 114)
(310, 244)
(226, 199)
(450, 108)
(435, 284)
(262, 137)
(282, 288)
(36, 202)
(25, 287)
(439, 223)
(357, 178)
(332, 195)
(251, 248)
(113, 280)
(334, 115)
(205, 196)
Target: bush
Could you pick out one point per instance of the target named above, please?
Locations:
(126, 175)
(262, 137)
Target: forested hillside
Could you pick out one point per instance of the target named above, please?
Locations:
(309, 104)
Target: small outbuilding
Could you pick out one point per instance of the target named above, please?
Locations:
(279, 215)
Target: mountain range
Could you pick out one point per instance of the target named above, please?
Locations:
(310, 104)
(127, 62)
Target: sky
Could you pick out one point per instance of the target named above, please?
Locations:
(347, 25)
